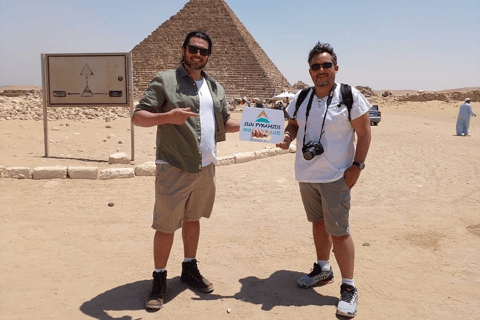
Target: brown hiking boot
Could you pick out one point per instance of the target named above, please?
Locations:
(155, 298)
(192, 277)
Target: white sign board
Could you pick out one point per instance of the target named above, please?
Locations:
(267, 120)
(87, 79)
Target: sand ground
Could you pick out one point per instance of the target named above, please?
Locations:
(415, 220)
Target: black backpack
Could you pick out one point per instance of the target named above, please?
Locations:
(347, 98)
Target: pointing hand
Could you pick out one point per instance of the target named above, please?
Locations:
(180, 115)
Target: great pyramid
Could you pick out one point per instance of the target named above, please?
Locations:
(237, 61)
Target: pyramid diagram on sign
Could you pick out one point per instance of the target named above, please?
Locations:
(86, 71)
(87, 92)
(237, 61)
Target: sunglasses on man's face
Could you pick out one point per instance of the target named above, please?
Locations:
(325, 66)
(193, 50)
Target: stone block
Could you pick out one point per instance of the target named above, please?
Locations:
(270, 152)
(281, 151)
(119, 157)
(260, 154)
(88, 173)
(146, 169)
(18, 173)
(116, 173)
(226, 160)
(244, 157)
(49, 173)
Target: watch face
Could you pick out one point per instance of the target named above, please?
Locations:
(360, 165)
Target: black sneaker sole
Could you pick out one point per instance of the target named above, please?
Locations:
(322, 283)
(318, 284)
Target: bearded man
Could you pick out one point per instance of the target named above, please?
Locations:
(190, 111)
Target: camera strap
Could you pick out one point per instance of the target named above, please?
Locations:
(309, 106)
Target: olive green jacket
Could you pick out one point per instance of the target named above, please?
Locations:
(180, 145)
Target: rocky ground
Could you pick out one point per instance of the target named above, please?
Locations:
(28, 105)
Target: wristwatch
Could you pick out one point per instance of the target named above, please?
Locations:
(360, 165)
(290, 135)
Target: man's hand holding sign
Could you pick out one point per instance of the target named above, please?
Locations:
(262, 125)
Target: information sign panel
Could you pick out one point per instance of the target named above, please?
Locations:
(87, 79)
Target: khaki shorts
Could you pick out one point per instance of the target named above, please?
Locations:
(182, 195)
(329, 202)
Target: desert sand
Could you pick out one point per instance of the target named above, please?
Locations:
(415, 221)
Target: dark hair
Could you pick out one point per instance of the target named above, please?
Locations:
(321, 48)
(201, 35)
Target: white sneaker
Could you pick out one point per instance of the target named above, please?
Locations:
(347, 306)
(315, 278)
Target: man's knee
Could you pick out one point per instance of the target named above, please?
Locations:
(340, 238)
(319, 223)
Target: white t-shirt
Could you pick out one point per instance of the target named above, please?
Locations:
(207, 124)
(337, 140)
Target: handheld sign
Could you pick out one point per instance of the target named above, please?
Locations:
(267, 120)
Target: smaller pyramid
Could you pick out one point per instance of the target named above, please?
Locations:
(237, 61)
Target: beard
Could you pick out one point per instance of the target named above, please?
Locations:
(322, 82)
(194, 65)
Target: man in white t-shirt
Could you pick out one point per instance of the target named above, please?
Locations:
(190, 111)
(327, 166)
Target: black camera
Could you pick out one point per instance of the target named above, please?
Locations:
(311, 150)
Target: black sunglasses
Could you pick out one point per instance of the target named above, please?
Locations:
(193, 50)
(325, 66)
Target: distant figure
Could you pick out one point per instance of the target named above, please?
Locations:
(285, 113)
(280, 105)
(463, 120)
(249, 104)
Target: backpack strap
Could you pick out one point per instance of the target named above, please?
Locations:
(301, 97)
(347, 98)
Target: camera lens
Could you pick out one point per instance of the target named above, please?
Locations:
(308, 154)
(312, 149)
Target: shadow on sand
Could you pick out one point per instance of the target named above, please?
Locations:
(279, 289)
(72, 158)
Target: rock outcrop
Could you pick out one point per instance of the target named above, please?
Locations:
(366, 91)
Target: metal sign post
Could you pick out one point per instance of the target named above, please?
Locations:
(132, 127)
(45, 102)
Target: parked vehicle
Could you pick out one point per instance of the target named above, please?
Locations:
(375, 115)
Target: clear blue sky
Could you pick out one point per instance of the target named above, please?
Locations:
(408, 44)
